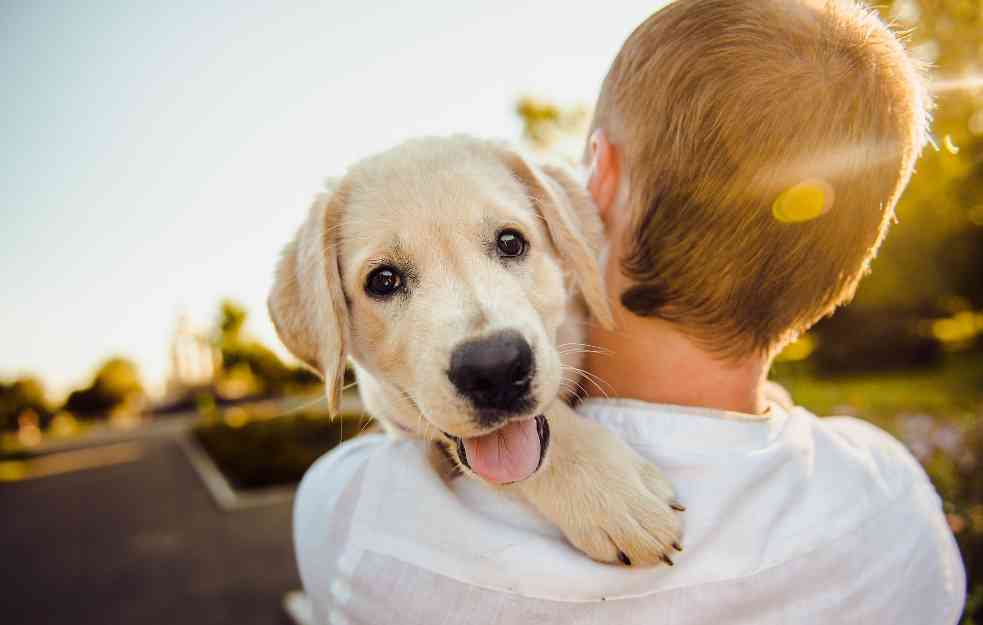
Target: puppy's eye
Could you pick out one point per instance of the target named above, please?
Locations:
(383, 282)
(511, 244)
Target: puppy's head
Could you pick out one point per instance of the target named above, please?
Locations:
(444, 268)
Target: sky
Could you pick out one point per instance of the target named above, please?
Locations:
(157, 156)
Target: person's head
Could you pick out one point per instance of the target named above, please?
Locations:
(747, 156)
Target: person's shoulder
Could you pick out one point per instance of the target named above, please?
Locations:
(863, 450)
(325, 481)
(860, 433)
(341, 471)
(877, 469)
(855, 475)
(332, 493)
(334, 470)
(902, 539)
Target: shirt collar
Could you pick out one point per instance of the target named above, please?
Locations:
(703, 428)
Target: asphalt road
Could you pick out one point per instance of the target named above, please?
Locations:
(139, 541)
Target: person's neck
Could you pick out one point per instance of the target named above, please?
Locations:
(652, 360)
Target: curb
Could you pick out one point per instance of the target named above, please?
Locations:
(225, 496)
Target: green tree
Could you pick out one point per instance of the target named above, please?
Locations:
(548, 127)
(116, 382)
(26, 394)
(931, 262)
(255, 368)
(232, 317)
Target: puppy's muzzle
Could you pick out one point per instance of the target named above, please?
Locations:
(495, 374)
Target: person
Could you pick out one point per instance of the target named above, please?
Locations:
(746, 157)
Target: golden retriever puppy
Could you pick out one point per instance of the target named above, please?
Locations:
(457, 276)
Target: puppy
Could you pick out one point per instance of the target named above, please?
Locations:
(458, 276)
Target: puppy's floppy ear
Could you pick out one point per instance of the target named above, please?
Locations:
(307, 303)
(573, 223)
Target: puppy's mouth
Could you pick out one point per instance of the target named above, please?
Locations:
(508, 454)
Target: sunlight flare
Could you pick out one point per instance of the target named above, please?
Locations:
(947, 85)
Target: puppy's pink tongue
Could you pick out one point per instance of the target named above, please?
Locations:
(509, 454)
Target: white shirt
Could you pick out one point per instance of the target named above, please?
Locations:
(790, 519)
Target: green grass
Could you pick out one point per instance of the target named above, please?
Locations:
(952, 392)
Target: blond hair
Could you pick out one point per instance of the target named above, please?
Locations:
(718, 107)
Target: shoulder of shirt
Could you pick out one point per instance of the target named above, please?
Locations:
(333, 472)
(329, 476)
(344, 458)
(875, 453)
(914, 512)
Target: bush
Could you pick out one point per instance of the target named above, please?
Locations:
(25, 395)
(953, 457)
(855, 340)
(273, 452)
(249, 368)
(116, 382)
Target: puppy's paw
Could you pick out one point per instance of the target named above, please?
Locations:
(633, 520)
(608, 501)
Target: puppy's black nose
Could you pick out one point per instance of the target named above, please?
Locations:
(494, 372)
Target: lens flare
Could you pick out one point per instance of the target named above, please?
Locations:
(950, 145)
(966, 83)
(803, 202)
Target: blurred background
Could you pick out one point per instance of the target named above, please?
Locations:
(157, 158)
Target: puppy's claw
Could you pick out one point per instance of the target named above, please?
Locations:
(677, 547)
(666, 559)
(632, 525)
(677, 506)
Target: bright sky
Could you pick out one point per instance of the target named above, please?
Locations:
(157, 156)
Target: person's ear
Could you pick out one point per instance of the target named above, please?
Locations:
(604, 175)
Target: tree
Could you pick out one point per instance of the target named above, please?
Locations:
(116, 383)
(232, 316)
(24, 395)
(931, 264)
(248, 366)
(931, 261)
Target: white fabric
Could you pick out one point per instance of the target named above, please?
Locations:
(790, 519)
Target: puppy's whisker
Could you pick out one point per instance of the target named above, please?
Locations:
(302, 407)
(579, 348)
(593, 379)
(567, 387)
(366, 424)
(575, 382)
(583, 351)
(586, 350)
(588, 345)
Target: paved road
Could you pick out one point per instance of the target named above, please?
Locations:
(139, 542)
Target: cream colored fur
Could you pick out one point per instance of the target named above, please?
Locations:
(434, 206)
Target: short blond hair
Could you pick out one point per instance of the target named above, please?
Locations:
(720, 105)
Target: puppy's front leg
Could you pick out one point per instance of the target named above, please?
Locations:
(608, 501)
